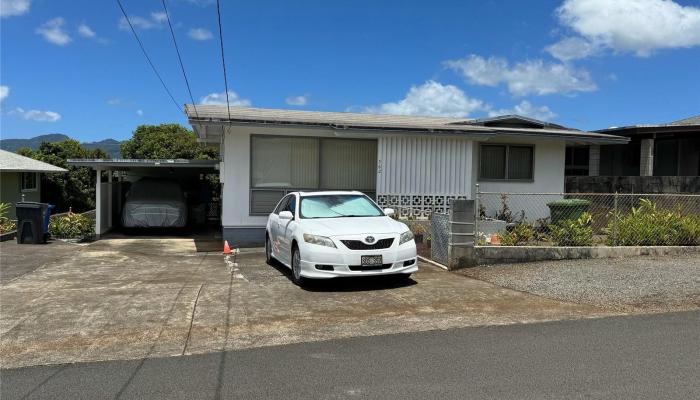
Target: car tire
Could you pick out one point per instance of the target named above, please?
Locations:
(296, 268)
(268, 251)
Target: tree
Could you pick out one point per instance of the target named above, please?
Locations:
(166, 141)
(74, 189)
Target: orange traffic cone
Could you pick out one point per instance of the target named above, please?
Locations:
(227, 248)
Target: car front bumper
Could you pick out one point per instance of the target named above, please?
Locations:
(317, 261)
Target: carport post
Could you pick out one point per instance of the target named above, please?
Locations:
(98, 203)
(109, 199)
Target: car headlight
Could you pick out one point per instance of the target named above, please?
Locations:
(319, 240)
(406, 237)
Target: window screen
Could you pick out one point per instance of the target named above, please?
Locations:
(493, 162)
(283, 162)
(519, 162)
(348, 164)
(506, 162)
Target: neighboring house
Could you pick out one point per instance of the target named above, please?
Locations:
(659, 159)
(417, 162)
(20, 178)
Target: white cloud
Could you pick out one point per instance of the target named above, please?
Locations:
(200, 34)
(139, 112)
(85, 31)
(524, 78)
(4, 92)
(10, 8)
(433, 99)
(36, 115)
(159, 16)
(525, 108)
(220, 99)
(53, 32)
(636, 26)
(297, 100)
(573, 48)
(155, 20)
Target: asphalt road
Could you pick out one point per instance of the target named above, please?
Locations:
(651, 356)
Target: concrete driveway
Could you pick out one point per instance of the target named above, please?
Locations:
(142, 298)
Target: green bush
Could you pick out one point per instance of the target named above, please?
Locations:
(647, 225)
(520, 235)
(6, 224)
(573, 232)
(71, 226)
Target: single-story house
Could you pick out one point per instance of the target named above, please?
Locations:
(653, 153)
(20, 178)
(417, 162)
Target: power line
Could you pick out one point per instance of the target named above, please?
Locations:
(182, 66)
(143, 49)
(223, 61)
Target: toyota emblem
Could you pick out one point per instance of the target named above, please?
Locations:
(369, 239)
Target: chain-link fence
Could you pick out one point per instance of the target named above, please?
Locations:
(585, 219)
(430, 230)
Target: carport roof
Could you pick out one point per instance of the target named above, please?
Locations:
(208, 120)
(122, 163)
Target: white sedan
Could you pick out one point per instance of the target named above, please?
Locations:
(334, 234)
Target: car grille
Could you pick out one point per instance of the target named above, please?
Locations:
(358, 245)
(368, 267)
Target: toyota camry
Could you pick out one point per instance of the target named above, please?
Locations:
(332, 234)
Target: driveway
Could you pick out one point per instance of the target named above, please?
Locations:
(141, 298)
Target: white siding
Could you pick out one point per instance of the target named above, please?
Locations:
(421, 165)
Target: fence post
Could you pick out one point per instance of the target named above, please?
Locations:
(477, 215)
(614, 232)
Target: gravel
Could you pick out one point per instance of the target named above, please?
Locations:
(626, 284)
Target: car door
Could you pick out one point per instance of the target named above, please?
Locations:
(273, 229)
(286, 229)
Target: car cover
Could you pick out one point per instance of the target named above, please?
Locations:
(155, 203)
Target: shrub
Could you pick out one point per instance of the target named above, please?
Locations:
(647, 225)
(573, 232)
(520, 235)
(70, 226)
(6, 224)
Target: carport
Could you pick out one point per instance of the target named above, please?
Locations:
(114, 177)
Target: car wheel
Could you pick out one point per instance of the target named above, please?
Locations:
(296, 267)
(268, 251)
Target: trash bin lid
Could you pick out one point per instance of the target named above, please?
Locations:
(28, 204)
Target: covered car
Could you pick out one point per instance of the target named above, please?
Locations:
(155, 203)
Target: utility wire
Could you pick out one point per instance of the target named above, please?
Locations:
(182, 66)
(143, 49)
(223, 61)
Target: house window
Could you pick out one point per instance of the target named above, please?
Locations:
(506, 162)
(29, 181)
(577, 163)
(283, 164)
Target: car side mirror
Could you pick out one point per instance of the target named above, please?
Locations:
(286, 215)
(389, 212)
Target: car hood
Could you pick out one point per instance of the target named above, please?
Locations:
(352, 226)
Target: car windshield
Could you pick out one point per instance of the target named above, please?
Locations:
(338, 205)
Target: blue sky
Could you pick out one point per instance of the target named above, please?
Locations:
(70, 66)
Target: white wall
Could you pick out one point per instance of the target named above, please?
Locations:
(548, 178)
(439, 167)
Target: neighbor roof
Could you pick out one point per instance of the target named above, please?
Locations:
(687, 121)
(12, 162)
(692, 123)
(202, 117)
(125, 163)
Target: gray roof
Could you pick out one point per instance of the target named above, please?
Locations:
(687, 121)
(12, 162)
(207, 115)
(125, 163)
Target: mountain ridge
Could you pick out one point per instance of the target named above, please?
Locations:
(109, 146)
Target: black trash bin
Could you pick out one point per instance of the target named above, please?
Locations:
(31, 217)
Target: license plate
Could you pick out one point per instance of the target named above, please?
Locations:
(371, 260)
